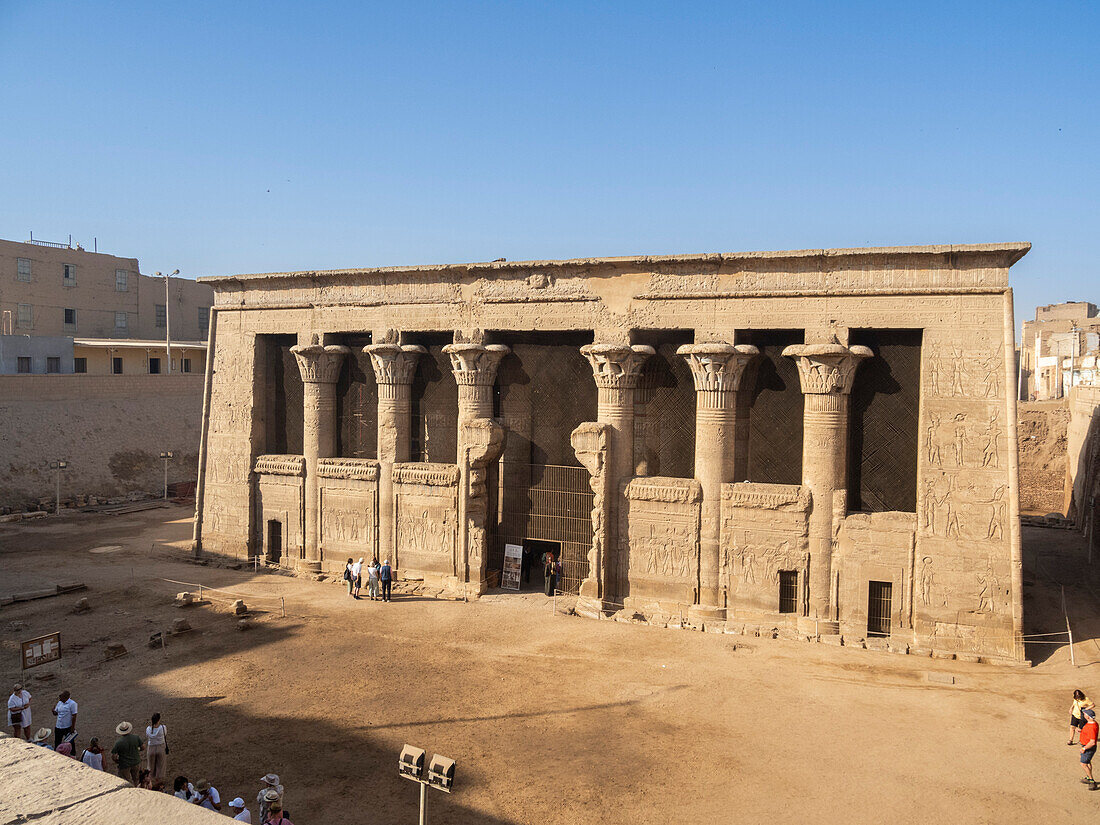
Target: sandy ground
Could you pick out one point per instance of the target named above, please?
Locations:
(553, 719)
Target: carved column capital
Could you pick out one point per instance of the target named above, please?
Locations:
(475, 365)
(717, 369)
(393, 363)
(616, 366)
(827, 369)
(319, 364)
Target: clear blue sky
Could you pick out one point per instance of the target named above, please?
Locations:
(222, 137)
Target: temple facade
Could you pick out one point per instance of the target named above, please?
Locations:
(819, 440)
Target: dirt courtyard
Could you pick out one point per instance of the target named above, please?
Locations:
(551, 718)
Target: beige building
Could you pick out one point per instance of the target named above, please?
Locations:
(58, 291)
(1059, 350)
(821, 441)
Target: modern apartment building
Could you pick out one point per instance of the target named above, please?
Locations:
(1060, 349)
(113, 318)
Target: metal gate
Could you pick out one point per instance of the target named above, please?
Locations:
(788, 591)
(550, 502)
(878, 608)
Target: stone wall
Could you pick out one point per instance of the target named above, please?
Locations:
(51, 789)
(111, 430)
(1083, 438)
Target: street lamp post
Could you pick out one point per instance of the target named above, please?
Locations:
(165, 456)
(58, 465)
(440, 774)
(167, 323)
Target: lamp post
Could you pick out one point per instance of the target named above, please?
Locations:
(166, 455)
(167, 325)
(58, 465)
(440, 774)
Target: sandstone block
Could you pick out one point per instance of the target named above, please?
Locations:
(180, 626)
(82, 606)
(239, 607)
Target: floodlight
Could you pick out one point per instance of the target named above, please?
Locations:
(411, 762)
(441, 773)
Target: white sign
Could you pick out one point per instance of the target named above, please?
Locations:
(42, 650)
(513, 565)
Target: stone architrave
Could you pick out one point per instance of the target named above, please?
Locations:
(616, 369)
(480, 442)
(717, 370)
(320, 369)
(827, 372)
(590, 444)
(394, 367)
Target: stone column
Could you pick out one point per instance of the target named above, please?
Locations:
(394, 367)
(480, 442)
(827, 372)
(320, 368)
(717, 369)
(616, 368)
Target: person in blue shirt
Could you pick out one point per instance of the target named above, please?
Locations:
(385, 576)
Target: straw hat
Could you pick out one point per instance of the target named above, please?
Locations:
(42, 735)
(123, 728)
(271, 795)
(202, 786)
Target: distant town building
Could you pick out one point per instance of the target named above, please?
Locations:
(66, 310)
(1059, 350)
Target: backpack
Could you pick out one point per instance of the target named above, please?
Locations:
(347, 575)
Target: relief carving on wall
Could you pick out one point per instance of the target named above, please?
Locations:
(663, 544)
(756, 563)
(672, 490)
(953, 371)
(347, 521)
(590, 442)
(960, 443)
(953, 509)
(426, 525)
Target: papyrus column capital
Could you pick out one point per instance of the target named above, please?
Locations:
(717, 369)
(617, 366)
(319, 364)
(393, 363)
(827, 369)
(475, 365)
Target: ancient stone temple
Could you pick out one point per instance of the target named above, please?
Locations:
(821, 440)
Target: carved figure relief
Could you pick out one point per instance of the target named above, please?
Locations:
(927, 579)
(973, 373)
(951, 509)
(991, 442)
(660, 547)
(426, 525)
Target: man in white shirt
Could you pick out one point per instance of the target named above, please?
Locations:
(356, 577)
(206, 796)
(19, 712)
(65, 711)
(243, 814)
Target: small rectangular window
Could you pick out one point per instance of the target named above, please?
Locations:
(69, 277)
(26, 315)
(24, 365)
(154, 366)
(204, 322)
(120, 320)
(788, 591)
(161, 315)
(121, 277)
(23, 269)
(185, 365)
(70, 317)
(53, 364)
(116, 366)
(80, 365)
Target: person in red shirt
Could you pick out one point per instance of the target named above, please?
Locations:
(1088, 745)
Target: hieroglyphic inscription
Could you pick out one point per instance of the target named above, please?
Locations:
(663, 541)
(347, 520)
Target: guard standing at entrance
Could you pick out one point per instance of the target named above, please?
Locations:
(550, 571)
